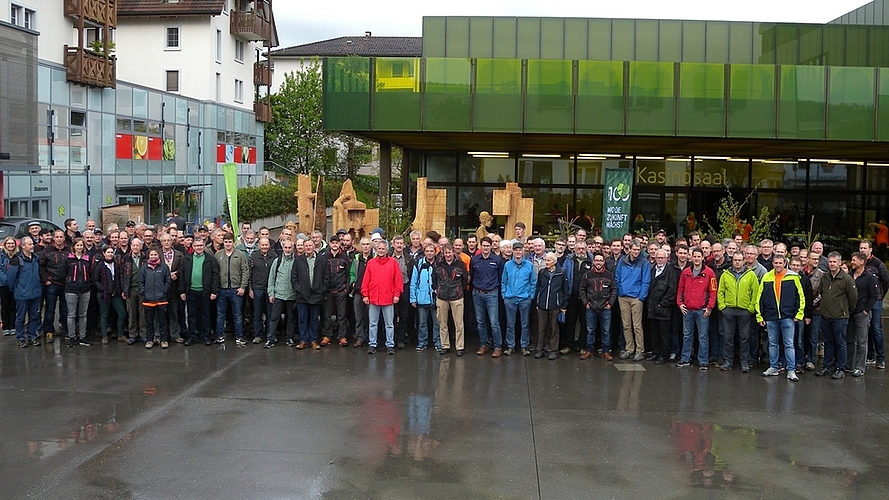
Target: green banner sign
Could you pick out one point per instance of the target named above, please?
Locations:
(616, 202)
(230, 171)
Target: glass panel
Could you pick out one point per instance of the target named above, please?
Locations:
(576, 42)
(588, 209)
(448, 101)
(878, 48)
(650, 104)
(473, 200)
(810, 45)
(856, 45)
(787, 40)
(397, 94)
(801, 101)
(493, 170)
(741, 43)
(600, 39)
(44, 84)
(764, 40)
(140, 103)
(504, 38)
(752, 101)
(670, 41)
(457, 40)
(838, 217)
(694, 41)
(721, 174)
(702, 99)
(835, 176)
(346, 93)
(108, 98)
(124, 100)
(498, 99)
(441, 168)
(883, 106)
(600, 102)
(835, 45)
(546, 171)
(549, 106)
(434, 36)
(623, 44)
(851, 104)
(552, 38)
(877, 179)
(663, 173)
(777, 175)
(59, 87)
(528, 38)
(790, 210)
(717, 42)
(646, 40)
(592, 172)
(481, 37)
(544, 199)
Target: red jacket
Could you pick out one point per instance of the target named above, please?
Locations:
(382, 281)
(697, 292)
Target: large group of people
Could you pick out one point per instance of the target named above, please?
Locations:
(713, 302)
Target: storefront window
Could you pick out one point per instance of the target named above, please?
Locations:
(663, 173)
(494, 170)
(719, 173)
(837, 176)
(473, 200)
(777, 175)
(441, 168)
(587, 213)
(549, 206)
(545, 171)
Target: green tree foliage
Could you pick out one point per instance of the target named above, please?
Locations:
(295, 138)
(269, 200)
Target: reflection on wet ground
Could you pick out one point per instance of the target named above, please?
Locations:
(206, 422)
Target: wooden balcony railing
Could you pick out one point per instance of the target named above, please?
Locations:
(263, 111)
(250, 25)
(89, 68)
(262, 73)
(99, 12)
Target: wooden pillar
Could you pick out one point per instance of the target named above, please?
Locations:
(385, 170)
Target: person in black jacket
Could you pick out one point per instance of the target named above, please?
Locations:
(551, 299)
(309, 281)
(107, 277)
(337, 294)
(154, 285)
(598, 294)
(868, 293)
(661, 303)
(77, 292)
(52, 274)
(198, 287)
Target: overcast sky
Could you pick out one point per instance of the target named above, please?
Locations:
(302, 22)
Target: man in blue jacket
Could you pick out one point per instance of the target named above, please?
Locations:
(517, 286)
(24, 281)
(632, 274)
(422, 298)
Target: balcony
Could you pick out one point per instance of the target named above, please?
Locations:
(96, 12)
(89, 68)
(251, 25)
(262, 73)
(263, 111)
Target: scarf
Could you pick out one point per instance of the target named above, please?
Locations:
(154, 262)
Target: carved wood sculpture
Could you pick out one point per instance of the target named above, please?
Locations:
(432, 209)
(305, 204)
(320, 209)
(353, 215)
(509, 202)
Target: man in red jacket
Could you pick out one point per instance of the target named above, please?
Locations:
(381, 288)
(696, 298)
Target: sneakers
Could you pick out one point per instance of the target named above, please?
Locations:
(792, 376)
(85, 342)
(257, 340)
(49, 337)
(71, 343)
(703, 368)
(179, 340)
(682, 364)
(104, 340)
(22, 343)
(35, 342)
(624, 355)
(526, 351)
(810, 367)
(290, 343)
(745, 368)
(149, 344)
(881, 365)
(270, 344)
(240, 342)
(857, 373)
(673, 357)
(8, 332)
(553, 356)
(508, 351)
(390, 351)
(771, 372)
(640, 356)
(726, 366)
(838, 374)
(220, 340)
(566, 350)
(420, 348)
(164, 344)
(371, 350)
(825, 370)
(870, 362)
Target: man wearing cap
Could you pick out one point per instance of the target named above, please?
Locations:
(661, 237)
(131, 229)
(517, 286)
(337, 293)
(34, 231)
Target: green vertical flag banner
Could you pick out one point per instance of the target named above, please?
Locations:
(230, 170)
(616, 202)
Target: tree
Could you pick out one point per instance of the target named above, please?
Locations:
(295, 137)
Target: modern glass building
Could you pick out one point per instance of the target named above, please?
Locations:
(798, 112)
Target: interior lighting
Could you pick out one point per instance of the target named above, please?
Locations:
(529, 155)
(712, 157)
(649, 157)
(606, 155)
(487, 153)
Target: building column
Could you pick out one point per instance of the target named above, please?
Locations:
(385, 170)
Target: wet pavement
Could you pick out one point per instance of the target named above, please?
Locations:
(225, 422)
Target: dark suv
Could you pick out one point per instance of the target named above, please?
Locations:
(18, 226)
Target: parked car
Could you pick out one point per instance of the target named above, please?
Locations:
(18, 226)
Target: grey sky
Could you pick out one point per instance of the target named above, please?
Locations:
(302, 22)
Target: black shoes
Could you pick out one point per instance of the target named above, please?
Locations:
(390, 351)
(825, 370)
(838, 374)
(371, 350)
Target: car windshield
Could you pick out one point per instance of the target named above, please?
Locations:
(6, 230)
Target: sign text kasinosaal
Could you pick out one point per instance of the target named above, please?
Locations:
(616, 202)
(681, 176)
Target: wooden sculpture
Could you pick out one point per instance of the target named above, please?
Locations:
(432, 209)
(305, 204)
(320, 209)
(353, 215)
(509, 202)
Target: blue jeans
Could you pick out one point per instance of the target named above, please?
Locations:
(423, 315)
(308, 316)
(695, 317)
(229, 296)
(799, 343)
(523, 308)
(31, 307)
(388, 313)
(875, 334)
(52, 294)
(603, 320)
(261, 305)
(487, 316)
(834, 331)
(813, 334)
(781, 331)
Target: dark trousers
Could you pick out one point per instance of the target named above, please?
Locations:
(834, 331)
(51, 295)
(335, 305)
(198, 315)
(309, 315)
(402, 314)
(288, 309)
(575, 312)
(7, 308)
(660, 336)
(736, 321)
(114, 304)
(360, 309)
(548, 329)
(261, 306)
(156, 314)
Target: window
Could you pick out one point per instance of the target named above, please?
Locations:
(239, 90)
(219, 46)
(239, 51)
(172, 41)
(173, 80)
(218, 87)
(21, 16)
